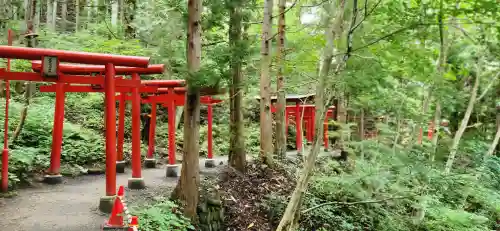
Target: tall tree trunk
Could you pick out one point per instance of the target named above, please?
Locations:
(280, 84)
(187, 188)
(237, 156)
(292, 213)
(29, 87)
(54, 15)
(114, 15)
(266, 131)
(463, 124)
(48, 16)
(64, 15)
(131, 6)
(77, 15)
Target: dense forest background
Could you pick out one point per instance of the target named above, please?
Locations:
(396, 67)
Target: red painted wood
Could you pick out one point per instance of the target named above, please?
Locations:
(77, 79)
(121, 127)
(57, 132)
(74, 69)
(165, 83)
(87, 88)
(209, 132)
(171, 133)
(5, 152)
(152, 132)
(73, 56)
(136, 130)
(110, 110)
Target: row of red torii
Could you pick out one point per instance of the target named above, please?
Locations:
(100, 75)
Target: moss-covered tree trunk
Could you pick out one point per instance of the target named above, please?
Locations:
(266, 131)
(237, 156)
(280, 84)
(187, 189)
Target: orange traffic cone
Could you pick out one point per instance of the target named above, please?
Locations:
(121, 192)
(116, 218)
(134, 222)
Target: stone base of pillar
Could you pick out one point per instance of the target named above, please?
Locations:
(136, 183)
(150, 163)
(106, 204)
(173, 170)
(53, 179)
(209, 163)
(120, 166)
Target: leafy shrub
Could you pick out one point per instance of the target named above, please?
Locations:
(395, 190)
(31, 152)
(163, 216)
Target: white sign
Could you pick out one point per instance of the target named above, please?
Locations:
(50, 65)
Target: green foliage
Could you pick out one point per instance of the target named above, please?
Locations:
(163, 216)
(399, 191)
(31, 152)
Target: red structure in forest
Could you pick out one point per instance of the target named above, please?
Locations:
(304, 117)
(50, 72)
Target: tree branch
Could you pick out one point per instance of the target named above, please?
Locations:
(488, 87)
(353, 203)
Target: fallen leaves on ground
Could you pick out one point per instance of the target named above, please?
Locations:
(242, 194)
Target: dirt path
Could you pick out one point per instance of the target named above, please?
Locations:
(72, 206)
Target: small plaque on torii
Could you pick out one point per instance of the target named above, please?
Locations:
(50, 66)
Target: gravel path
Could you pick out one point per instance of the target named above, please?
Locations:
(72, 206)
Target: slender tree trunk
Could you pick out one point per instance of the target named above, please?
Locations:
(64, 15)
(187, 188)
(48, 16)
(435, 137)
(178, 116)
(29, 87)
(280, 84)
(131, 6)
(114, 15)
(463, 124)
(266, 132)
(54, 15)
(237, 156)
(77, 15)
(292, 213)
(495, 142)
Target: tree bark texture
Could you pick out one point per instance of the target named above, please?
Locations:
(266, 136)
(237, 155)
(187, 189)
(280, 84)
(291, 216)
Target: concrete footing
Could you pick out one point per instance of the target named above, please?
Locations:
(150, 163)
(120, 166)
(173, 170)
(136, 183)
(209, 163)
(53, 179)
(106, 204)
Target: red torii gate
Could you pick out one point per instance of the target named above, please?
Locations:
(308, 112)
(171, 98)
(50, 73)
(136, 182)
(175, 97)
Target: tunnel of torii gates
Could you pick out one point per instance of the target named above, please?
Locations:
(165, 92)
(306, 113)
